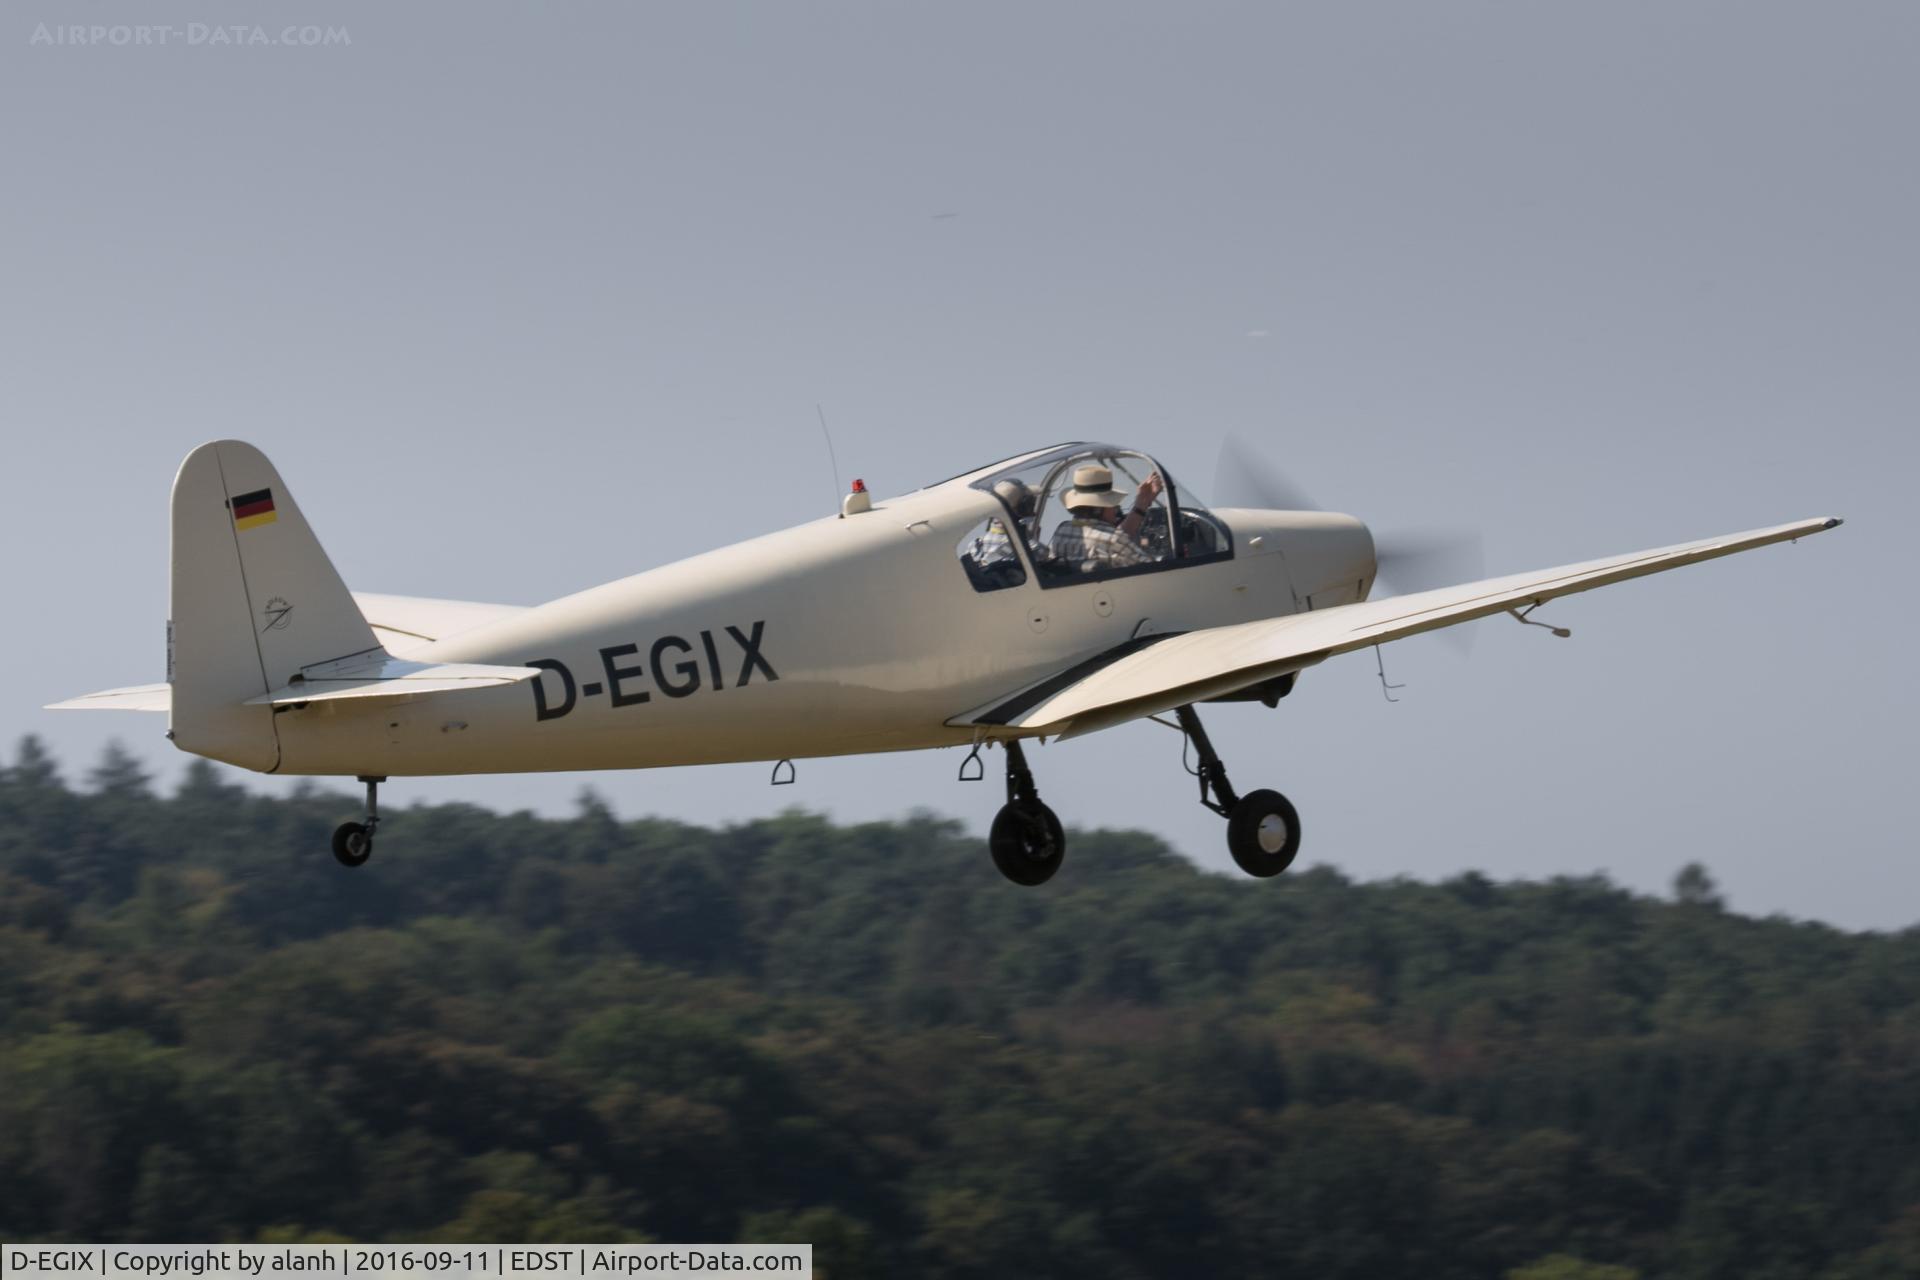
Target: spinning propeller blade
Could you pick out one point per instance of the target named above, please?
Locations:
(1413, 560)
(1408, 560)
(1244, 479)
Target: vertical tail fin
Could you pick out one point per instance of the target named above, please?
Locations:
(255, 599)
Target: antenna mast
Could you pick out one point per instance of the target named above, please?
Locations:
(831, 459)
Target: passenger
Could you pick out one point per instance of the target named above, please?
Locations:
(995, 545)
(1098, 537)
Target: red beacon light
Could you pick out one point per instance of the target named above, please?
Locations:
(859, 486)
(857, 500)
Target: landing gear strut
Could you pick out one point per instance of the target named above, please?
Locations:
(1026, 840)
(353, 841)
(1263, 831)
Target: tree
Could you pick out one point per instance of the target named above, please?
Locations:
(1694, 887)
(843, 1246)
(33, 768)
(1561, 1266)
(859, 1037)
(118, 777)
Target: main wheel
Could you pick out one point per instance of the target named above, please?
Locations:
(1263, 833)
(351, 844)
(1027, 843)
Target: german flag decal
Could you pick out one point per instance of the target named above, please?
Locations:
(251, 510)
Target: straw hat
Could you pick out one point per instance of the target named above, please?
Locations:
(1092, 487)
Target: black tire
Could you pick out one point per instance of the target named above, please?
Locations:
(352, 846)
(1263, 833)
(1027, 843)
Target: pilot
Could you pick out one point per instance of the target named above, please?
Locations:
(996, 543)
(1098, 536)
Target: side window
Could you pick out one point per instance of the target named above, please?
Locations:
(1201, 534)
(988, 556)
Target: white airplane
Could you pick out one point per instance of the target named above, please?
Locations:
(1033, 598)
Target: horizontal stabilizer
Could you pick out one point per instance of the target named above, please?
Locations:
(389, 678)
(139, 697)
(386, 677)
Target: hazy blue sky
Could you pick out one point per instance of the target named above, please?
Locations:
(521, 299)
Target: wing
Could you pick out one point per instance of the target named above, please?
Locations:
(1157, 673)
(401, 622)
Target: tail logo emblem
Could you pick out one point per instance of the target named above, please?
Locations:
(278, 614)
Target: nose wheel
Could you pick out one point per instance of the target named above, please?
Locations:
(1026, 839)
(353, 841)
(1263, 830)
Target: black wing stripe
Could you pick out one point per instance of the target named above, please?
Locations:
(1026, 700)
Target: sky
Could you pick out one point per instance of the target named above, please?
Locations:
(521, 299)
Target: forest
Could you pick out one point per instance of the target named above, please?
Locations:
(515, 1028)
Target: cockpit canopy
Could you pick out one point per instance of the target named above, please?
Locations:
(1083, 512)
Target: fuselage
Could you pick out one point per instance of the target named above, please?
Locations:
(850, 634)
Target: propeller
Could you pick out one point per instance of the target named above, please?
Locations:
(1407, 559)
(1420, 559)
(1243, 478)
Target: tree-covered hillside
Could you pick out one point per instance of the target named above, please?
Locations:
(512, 1028)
